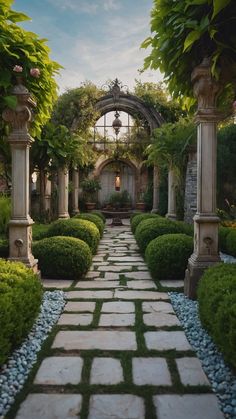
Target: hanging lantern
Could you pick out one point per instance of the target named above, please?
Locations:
(117, 124)
(117, 181)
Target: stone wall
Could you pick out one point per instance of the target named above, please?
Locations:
(190, 201)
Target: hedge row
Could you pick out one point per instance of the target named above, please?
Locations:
(94, 218)
(138, 218)
(227, 240)
(217, 307)
(20, 299)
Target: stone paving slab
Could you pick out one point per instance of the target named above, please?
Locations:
(117, 320)
(129, 259)
(115, 268)
(118, 307)
(157, 306)
(92, 274)
(50, 406)
(188, 406)
(106, 371)
(151, 371)
(191, 372)
(59, 370)
(141, 295)
(89, 295)
(75, 319)
(141, 285)
(116, 406)
(163, 341)
(97, 284)
(109, 276)
(160, 319)
(138, 275)
(172, 283)
(80, 306)
(57, 283)
(96, 339)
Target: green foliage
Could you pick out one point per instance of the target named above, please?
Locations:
(226, 173)
(217, 307)
(39, 231)
(20, 299)
(81, 229)
(137, 218)
(63, 257)
(167, 256)
(223, 233)
(119, 199)
(156, 95)
(186, 31)
(149, 229)
(94, 218)
(90, 187)
(231, 242)
(76, 108)
(20, 47)
(5, 213)
(100, 214)
(4, 248)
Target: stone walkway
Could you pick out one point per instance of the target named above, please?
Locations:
(119, 351)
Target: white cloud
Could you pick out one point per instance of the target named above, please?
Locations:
(87, 6)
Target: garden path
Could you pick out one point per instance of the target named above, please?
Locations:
(119, 351)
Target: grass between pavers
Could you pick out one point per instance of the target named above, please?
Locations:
(126, 387)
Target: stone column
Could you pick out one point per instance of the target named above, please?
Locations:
(63, 183)
(171, 214)
(156, 181)
(75, 192)
(206, 222)
(20, 230)
(47, 196)
(190, 196)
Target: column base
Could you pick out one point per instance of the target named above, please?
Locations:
(75, 211)
(154, 211)
(171, 216)
(64, 216)
(194, 271)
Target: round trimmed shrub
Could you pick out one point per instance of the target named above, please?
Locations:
(149, 229)
(167, 256)
(134, 214)
(20, 300)
(39, 231)
(99, 214)
(62, 257)
(184, 228)
(80, 229)
(138, 218)
(94, 219)
(231, 242)
(217, 307)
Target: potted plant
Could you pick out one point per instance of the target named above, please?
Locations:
(90, 188)
(140, 204)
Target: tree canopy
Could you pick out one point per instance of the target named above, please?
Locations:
(23, 52)
(186, 31)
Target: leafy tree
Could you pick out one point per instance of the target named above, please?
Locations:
(186, 31)
(28, 55)
(76, 108)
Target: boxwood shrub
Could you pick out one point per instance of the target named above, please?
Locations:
(62, 257)
(138, 218)
(20, 299)
(39, 231)
(149, 229)
(217, 307)
(167, 256)
(99, 214)
(80, 229)
(94, 218)
(231, 242)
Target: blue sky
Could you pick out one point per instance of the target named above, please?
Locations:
(94, 40)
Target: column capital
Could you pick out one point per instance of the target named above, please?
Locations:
(205, 87)
(20, 117)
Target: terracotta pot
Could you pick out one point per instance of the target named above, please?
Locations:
(90, 206)
(140, 206)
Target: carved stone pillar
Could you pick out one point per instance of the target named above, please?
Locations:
(20, 230)
(63, 184)
(156, 182)
(206, 222)
(75, 192)
(171, 214)
(47, 196)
